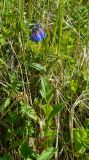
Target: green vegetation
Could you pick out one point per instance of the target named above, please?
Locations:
(44, 87)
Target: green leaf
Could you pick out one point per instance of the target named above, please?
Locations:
(6, 103)
(46, 154)
(38, 67)
(83, 134)
(26, 151)
(81, 140)
(47, 109)
(43, 88)
(2, 40)
(58, 108)
(73, 85)
(28, 110)
(46, 90)
(49, 95)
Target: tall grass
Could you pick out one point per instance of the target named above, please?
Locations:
(21, 10)
(60, 21)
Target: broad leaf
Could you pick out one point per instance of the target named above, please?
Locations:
(26, 151)
(46, 154)
(47, 109)
(46, 90)
(81, 140)
(58, 108)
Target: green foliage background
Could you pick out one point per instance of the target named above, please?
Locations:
(44, 87)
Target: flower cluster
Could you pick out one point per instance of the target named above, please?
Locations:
(38, 33)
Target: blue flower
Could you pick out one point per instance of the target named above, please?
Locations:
(42, 33)
(38, 37)
(32, 37)
(37, 34)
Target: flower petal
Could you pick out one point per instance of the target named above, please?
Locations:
(38, 37)
(42, 33)
(32, 37)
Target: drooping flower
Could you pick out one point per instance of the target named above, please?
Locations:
(38, 33)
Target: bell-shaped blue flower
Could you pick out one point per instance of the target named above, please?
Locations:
(37, 34)
(38, 37)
